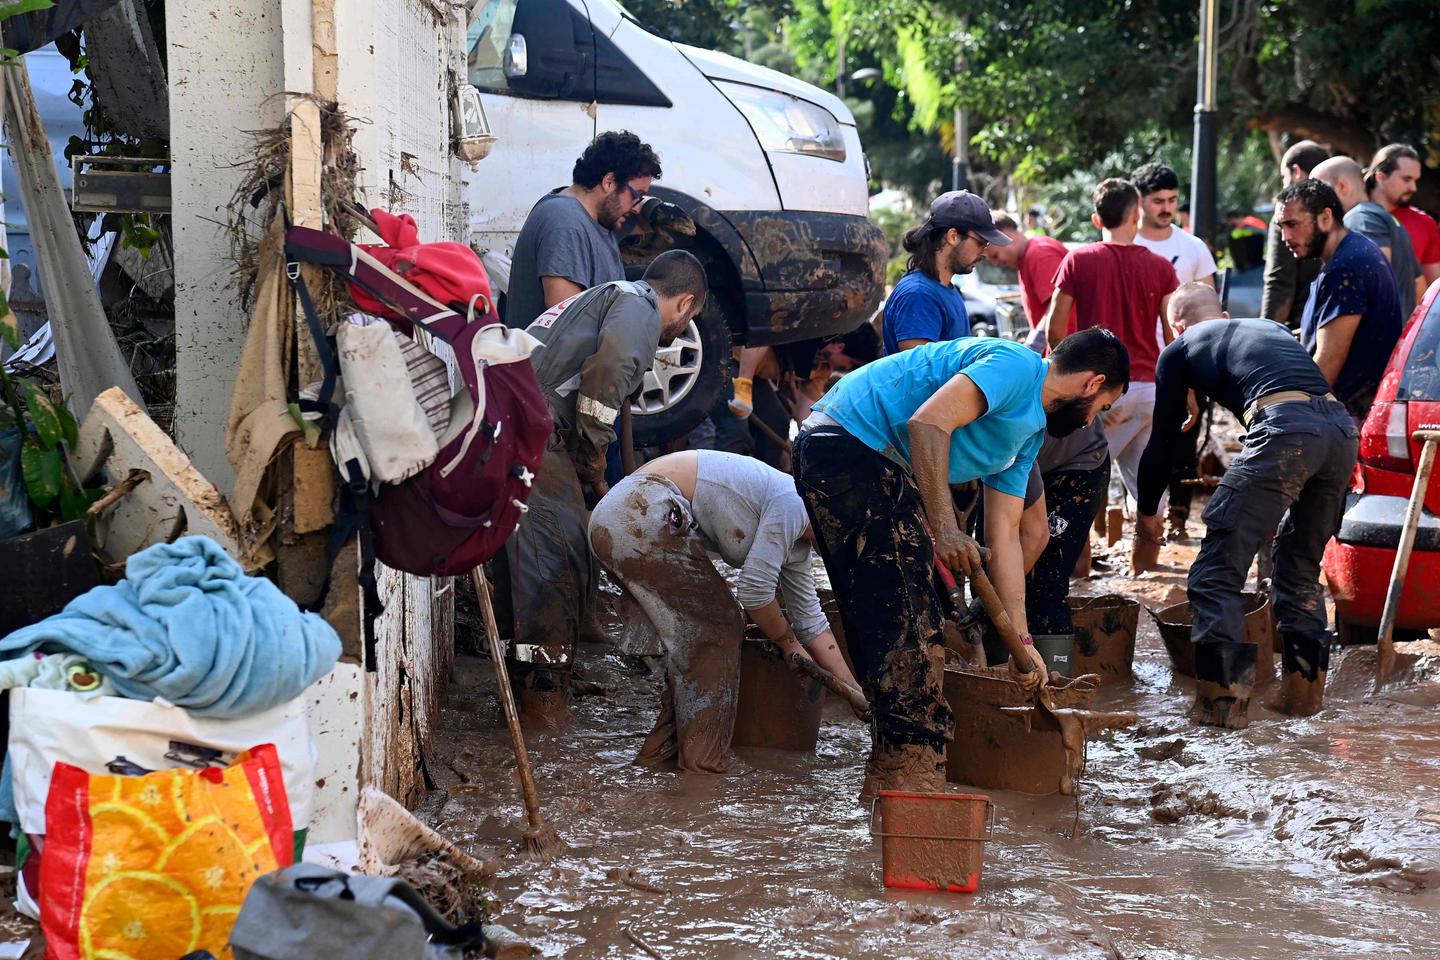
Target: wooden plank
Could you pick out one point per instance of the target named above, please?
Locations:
(327, 61)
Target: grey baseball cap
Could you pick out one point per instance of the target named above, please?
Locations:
(964, 211)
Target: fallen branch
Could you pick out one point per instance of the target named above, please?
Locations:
(117, 493)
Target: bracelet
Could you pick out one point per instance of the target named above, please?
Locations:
(1027, 640)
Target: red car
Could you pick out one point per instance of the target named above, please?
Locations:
(1359, 560)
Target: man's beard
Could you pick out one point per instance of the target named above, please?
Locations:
(958, 265)
(1317, 244)
(609, 215)
(1072, 414)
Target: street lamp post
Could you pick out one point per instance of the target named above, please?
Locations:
(961, 164)
(1202, 180)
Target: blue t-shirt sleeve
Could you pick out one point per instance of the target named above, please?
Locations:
(1014, 478)
(912, 314)
(1003, 377)
(1341, 292)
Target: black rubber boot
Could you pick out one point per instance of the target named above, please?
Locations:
(1224, 679)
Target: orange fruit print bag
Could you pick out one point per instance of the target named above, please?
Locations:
(157, 866)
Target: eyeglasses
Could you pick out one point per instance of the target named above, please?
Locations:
(978, 239)
(635, 195)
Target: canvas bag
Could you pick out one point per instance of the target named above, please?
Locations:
(384, 427)
(307, 911)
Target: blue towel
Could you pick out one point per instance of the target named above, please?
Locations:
(188, 625)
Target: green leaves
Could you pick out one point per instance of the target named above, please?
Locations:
(13, 8)
(43, 471)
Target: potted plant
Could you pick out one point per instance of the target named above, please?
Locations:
(44, 540)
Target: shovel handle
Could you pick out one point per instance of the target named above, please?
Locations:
(1386, 645)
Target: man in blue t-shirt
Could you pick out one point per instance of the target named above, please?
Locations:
(1352, 319)
(874, 464)
(924, 307)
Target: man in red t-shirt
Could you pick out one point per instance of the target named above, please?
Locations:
(1037, 260)
(1125, 288)
(1391, 180)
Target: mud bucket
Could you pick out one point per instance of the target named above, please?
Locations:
(932, 841)
(1107, 626)
(776, 710)
(1058, 652)
(1175, 621)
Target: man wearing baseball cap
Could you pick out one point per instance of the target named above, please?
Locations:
(924, 307)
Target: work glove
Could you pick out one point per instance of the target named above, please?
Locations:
(666, 216)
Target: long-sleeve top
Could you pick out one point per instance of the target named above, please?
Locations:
(1235, 362)
(598, 345)
(751, 515)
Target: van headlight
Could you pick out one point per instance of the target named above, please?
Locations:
(786, 124)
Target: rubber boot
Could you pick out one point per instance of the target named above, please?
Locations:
(1224, 680)
(910, 767)
(1302, 685)
(743, 403)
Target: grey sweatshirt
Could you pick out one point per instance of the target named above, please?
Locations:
(751, 515)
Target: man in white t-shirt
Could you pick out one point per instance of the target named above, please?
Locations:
(1159, 196)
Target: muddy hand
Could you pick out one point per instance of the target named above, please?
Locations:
(957, 551)
(1037, 676)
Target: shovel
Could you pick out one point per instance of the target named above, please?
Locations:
(1386, 649)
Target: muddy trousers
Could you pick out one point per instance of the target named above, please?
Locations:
(1298, 458)
(866, 513)
(643, 533)
(548, 560)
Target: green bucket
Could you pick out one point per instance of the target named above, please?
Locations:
(1058, 652)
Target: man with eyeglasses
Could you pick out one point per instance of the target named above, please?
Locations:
(571, 239)
(925, 307)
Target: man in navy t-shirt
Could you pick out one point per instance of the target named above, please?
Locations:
(924, 307)
(1352, 319)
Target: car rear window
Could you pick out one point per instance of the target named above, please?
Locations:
(1421, 379)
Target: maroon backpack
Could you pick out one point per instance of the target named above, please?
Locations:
(458, 512)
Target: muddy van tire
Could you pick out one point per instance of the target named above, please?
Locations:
(686, 380)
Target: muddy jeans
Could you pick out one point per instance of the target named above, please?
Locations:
(1297, 457)
(643, 533)
(867, 514)
(549, 570)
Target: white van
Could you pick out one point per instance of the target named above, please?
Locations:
(770, 168)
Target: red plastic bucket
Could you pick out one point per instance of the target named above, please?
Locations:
(932, 841)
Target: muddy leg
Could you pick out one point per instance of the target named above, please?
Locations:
(866, 516)
(1295, 592)
(642, 533)
(549, 560)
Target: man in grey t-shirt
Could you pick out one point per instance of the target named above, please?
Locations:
(570, 241)
(1363, 215)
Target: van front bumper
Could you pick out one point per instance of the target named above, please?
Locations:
(819, 274)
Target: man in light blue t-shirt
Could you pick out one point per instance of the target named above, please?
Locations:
(924, 307)
(874, 464)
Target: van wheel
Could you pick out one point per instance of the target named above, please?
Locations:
(686, 380)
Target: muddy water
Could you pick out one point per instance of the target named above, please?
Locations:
(1317, 838)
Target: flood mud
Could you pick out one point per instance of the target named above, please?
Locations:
(1315, 837)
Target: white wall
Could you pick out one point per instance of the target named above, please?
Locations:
(225, 62)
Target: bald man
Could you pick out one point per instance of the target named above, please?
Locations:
(1300, 446)
(1367, 217)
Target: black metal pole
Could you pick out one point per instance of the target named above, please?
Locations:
(1202, 180)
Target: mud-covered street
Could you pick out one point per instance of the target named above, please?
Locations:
(1317, 837)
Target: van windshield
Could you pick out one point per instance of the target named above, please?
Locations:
(1421, 379)
(486, 41)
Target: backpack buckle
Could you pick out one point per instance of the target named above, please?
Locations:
(292, 269)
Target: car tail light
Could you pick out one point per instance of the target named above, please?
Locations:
(1385, 439)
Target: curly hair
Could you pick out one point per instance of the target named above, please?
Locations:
(1154, 176)
(1315, 196)
(618, 152)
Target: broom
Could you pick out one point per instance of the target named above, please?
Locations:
(541, 840)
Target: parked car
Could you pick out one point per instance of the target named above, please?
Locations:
(769, 168)
(992, 300)
(1359, 560)
(1245, 290)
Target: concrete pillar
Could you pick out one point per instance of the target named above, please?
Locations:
(225, 69)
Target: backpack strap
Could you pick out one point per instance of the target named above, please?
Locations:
(325, 403)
